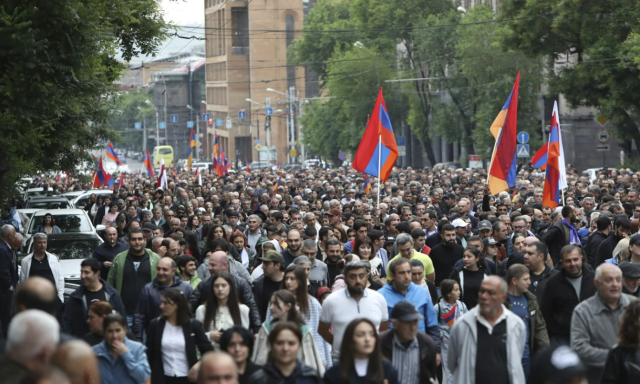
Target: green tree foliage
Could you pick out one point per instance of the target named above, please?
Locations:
(131, 108)
(594, 48)
(57, 72)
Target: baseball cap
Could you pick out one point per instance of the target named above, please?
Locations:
(273, 256)
(405, 311)
(458, 223)
(120, 201)
(484, 225)
(489, 241)
(631, 270)
(633, 240)
(148, 227)
(389, 240)
(556, 365)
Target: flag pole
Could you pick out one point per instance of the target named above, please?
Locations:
(379, 165)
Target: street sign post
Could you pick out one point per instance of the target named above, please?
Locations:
(137, 125)
(342, 156)
(229, 123)
(205, 117)
(401, 142)
(522, 151)
(603, 136)
(174, 119)
(475, 161)
(242, 114)
(162, 125)
(189, 124)
(523, 137)
(219, 122)
(603, 147)
(268, 111)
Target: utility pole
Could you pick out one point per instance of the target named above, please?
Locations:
(144, 133)
(157, 130)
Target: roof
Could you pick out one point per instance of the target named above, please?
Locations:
(73, 236)
(58, 212)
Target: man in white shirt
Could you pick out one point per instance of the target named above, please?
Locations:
(354, 301)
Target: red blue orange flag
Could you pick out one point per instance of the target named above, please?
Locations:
(148, 165)
(248, 165)
(367, 185)
(101, 177)
(111, 153)
(58, 177)
(502, 171)
(555, 178)
(192, 144)
(539, 160)
(121, 183)
(378, 151)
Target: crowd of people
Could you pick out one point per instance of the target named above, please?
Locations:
(302, 277)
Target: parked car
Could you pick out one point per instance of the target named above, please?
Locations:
(48, 202)
(314, 163)
(33, 192)
(258, 165)
(293, 167)
(72, 195)
(26, 214)
(203, 167)
(181, 164)
(68, 220)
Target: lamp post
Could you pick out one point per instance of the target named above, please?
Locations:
(144, 130)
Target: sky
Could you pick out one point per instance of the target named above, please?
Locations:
(187, 13)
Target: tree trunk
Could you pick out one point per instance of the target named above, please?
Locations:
(426, 144)
(5, 167)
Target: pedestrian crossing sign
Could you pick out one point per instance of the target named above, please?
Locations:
(522, 151)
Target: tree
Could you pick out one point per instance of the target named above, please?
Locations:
(593, 48)
(57, 73)
(131, 108)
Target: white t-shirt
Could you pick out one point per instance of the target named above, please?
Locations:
(174, 355)
(339, 309)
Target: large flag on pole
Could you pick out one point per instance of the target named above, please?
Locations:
(101, 177)
(555, 179)
(192, 144)
(111, 153)
(502, 169)
(162, 176)
(378, 151)
(148, 165)
(539, 160)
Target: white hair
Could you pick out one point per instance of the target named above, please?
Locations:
(31, 332)
(602, 266)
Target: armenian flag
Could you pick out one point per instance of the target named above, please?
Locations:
(101, 177)
(248, 165)
(555, 178)
(378, 151)
(502, 171)
(192, 144)
(450, 317)
(148, 165)
(216, 149)
(111, 153)
(539, 160)
(121, 183)
(276, 185)
(58, 177)
(367, 185)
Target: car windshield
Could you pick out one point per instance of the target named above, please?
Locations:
(164, 151)
(48, 204)
(66, 223)
(67, 249)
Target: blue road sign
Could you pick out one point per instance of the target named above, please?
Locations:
(523, 137)
(522, 151)
(137, 125)
(162, 125)
(174, 119)
(242, 114)
(189, 124)
(205, 117)
(400, 140)
(219, 122)
(269, 111)
(258, 141)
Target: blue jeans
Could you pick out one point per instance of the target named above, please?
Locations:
(129, 322)
(526, 366)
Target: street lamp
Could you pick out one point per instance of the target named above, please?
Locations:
(144, 129)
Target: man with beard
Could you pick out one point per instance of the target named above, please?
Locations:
(334, 254)
(564, 291)
(603, 227)
(347, 304)
(294, 242)
(630, 278)
(621, 230)
(445, 254)
(561, 233)
(187, 270)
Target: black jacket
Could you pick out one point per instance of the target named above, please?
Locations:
(245, 295)
(595, 239)
(193, 336)
(105, 252)
(538, 289)
(605, 250)
(622, 367)
(555, 238)
(8, 270)
(560, 299)
(332, 376)
(427, 348)
(269, 374)
(75, 309)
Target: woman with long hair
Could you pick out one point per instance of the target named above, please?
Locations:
(239, 242)
(364, 249)
(448, 310)
(470, 275)
(222, 308)
(295, 281)
(111, 215)
(284, 365)
(172, 339)
(361, 359)
(191, 249)
(193, 223)
(111, 354)
(624, 359)
(48, 225)
(238, 342)
(94, 208)
(283, 309)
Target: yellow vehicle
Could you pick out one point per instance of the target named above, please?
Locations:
(163, 152)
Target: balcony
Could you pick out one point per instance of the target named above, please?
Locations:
(240, 50)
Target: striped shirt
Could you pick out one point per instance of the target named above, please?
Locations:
(407, 361)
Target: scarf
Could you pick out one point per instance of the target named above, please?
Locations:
(573, 233)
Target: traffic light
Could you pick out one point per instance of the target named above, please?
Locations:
(267, 122)
(210, 121)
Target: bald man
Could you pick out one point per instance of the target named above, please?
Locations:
(107, 251)
(77, 360)
(219, 262)
(217, 368)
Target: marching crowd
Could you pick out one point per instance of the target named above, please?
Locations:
(302, 277)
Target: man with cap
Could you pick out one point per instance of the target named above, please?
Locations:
(630, 278)
(412, 353)
(484, 229)
(603, 227)
(594, 323)
(461, 230)
(269, 282)
(147, 228)
(621, 230)
(557, 365)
